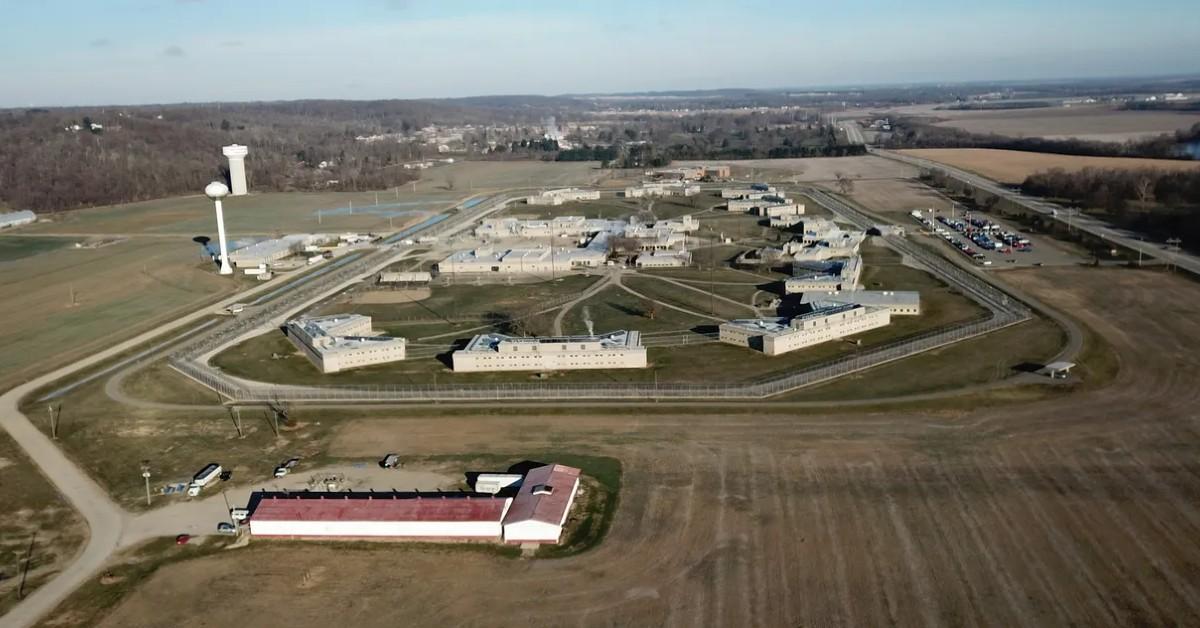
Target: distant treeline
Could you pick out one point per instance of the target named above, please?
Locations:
(1158, 202)
(910, 133)
(145, 152)
(997, 105)
(1162, 105)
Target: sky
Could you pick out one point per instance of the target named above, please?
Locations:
(77, 52)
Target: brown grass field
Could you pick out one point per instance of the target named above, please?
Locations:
(32, 516)
(1076, 509)
(897, 196)
(1012, 166)
(1099, 123)
(815, 169)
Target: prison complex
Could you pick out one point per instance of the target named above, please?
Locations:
(497, 352)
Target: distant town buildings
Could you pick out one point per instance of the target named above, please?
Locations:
(498, 352)
(16, 219)
(343, 341)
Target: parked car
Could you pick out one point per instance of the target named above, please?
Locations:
(281, 471)
(183, 539)
(226, 528)
(390, 461)
(239, 514)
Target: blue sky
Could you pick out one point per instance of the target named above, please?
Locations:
(60, 52)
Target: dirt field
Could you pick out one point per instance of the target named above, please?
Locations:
(468, 176)
(1011, 166)
(898, 195)
(1102, 124)
(1080, 509)
(816, 169)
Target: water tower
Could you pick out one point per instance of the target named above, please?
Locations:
(217, 191)
(237, 167)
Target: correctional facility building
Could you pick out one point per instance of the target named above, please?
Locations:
(841, 273)
(564, 195)
(535, 512)
(343, 341)
(775, 336)
(662, 189)
(754, 192)
(267, 251)
(498, 352)
(663, 259)
(897, 302)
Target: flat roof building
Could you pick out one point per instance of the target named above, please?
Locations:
(897, 302)
(776, 336)
(343, 341)
(16, 219)
(833, 274)
(662, 189)
(558, 197)
(498, 352)
(405, 277)
(663, 259)
(268, 251)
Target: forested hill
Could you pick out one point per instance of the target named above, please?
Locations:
(53, 159)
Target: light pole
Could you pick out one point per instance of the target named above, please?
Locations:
(217, 191)
(146, 477)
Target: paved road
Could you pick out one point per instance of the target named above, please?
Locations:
(1084, 223)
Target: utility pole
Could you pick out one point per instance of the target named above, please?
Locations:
(53, 421)
(146, 477)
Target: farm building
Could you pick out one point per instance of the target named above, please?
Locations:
(16, 219)
(497, 352)
(535, 513)
(343, 341)
(775, 336)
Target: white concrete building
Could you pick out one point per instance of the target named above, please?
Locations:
(662, 189)
(497, 352)
(268, 251)
(343, 341)
(530, 260)
(824, 275)
(664, 259)
(784, 222)
(405, 277)
(16, 219)
(754, 192)
(776, 336)
(236, 153)
(564, 195)
(897, 302)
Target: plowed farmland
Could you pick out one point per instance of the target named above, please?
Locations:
(1081, 509)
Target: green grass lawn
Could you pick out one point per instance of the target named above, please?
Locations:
(17, 247)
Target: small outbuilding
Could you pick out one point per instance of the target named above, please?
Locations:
(1057, 370)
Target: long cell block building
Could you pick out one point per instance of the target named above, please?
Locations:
(343, 341)
(775, 336)
(497, 352)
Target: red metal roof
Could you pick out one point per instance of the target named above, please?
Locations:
(377, 507)
(550, 508)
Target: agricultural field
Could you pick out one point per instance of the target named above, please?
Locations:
(256, 214)
(36, 523)
(16, 247)
(804, 170)
(466, 177)
(67, 302)
(1074, 509)
(898, 196)
(1099, 123)
(1012, 166)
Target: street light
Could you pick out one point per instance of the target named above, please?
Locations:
(146, 477)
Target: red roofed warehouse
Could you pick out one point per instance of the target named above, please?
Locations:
(535, 514)
(375, 515)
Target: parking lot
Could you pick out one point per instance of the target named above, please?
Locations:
(993, 243)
